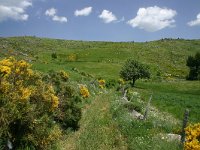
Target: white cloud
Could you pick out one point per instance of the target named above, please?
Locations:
(152, 19)
(14, 9)
(107, 16)
(26, 4)
(83, 12)
(59, 19)
(52, 13)
(16, 3)
(195, 22)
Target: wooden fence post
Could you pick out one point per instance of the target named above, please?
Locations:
(185, 120)
(147, 108)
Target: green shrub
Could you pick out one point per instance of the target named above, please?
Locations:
(83, 74)
(133, 106)
(194, 65)
(54, 55)
(75, 69)
(68, 113)
(2, 145)
(111, 83)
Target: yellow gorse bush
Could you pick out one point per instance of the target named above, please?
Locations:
(5, 86)
(26, 98)
(25, 93)
(64, 75)
(192, 137)
(11, 65)
(6, 62)
(15, 82)
(5, 70)
(5, 67)
(55, 101)
(54, 134)
(101, 83)
(84, 91)
(72, 57)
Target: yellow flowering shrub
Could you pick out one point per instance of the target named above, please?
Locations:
(55, 101)
(101, 83)
(72, 57)
(84, 91)
(192, 137)
(55, 133)
(5, 86)
(26, 104)
(18, 82)
(64, 75)
(5, 67)
(5, 70)
(6, 62)
(25, 93)
(68, 112)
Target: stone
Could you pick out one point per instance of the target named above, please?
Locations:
(136, 115)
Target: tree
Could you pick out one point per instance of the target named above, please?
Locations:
(193, 62)
(133, 70)
(54, 55)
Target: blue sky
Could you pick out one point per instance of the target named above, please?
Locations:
(101, 20)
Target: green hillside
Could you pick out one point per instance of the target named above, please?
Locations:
(107, 121)
(84, 59)
(102, 59)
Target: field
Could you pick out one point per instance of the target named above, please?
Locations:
(106, 123)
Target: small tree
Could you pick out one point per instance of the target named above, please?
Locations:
(133, 70)
(54, 55)
(193, 62)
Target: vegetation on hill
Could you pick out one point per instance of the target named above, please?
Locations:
(167, 56)
(85, 105)
(34, 110)
(134, 70)
(193, 62)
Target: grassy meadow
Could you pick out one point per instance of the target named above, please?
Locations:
(105, 122)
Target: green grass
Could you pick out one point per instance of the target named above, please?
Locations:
(103, 58)
(174, 97)
(143, 134)
(105, 124)
(97, 129)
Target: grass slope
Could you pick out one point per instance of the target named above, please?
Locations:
(174, 97)
(98, 130)
(102, 58)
